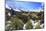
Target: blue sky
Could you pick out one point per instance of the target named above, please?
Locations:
(26, 5)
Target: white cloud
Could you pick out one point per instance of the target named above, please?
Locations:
(7, 6)
(17, 10)
(37, 10)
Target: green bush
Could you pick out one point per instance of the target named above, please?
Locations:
(29, 25)
(16, 23)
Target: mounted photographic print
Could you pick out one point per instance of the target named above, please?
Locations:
(23, 15)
